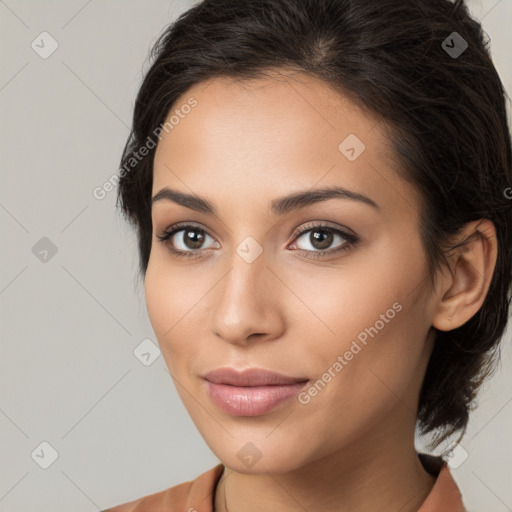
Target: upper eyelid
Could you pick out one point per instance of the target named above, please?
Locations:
(325, 225)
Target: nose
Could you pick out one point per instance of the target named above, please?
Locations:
(246, 303)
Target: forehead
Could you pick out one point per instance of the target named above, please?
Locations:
(275, 112)
(262, 136)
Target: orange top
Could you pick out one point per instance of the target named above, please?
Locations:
(198, 495)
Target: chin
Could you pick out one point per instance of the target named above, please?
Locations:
(257, 457)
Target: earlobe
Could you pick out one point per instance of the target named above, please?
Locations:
(472, 264)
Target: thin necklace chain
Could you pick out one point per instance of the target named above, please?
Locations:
(225, 504)
(224, 491)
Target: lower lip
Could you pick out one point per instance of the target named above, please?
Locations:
(251, 401)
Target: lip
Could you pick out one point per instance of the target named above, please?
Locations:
(251, 392)
(250, 377)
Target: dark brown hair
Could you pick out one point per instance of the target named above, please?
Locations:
(445, 114)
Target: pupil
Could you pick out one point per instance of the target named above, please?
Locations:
(194, 240)
(325, 239)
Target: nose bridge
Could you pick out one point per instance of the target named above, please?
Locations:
(243, 303)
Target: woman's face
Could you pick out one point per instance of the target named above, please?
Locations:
(355, 319)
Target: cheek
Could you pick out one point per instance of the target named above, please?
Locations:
(176, 306)
(167, 305)
(364, 374)
(169, 294)
(369, 342)
(348, 397)
(159, 295)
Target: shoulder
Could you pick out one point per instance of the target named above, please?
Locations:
(445, 496)
(194, 494)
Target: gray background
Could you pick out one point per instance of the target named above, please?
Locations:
(71, 323)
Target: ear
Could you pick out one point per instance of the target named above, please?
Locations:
(463, 290)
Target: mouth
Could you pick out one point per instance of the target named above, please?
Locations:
(251, 392)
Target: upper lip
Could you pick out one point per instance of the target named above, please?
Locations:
(250, 377)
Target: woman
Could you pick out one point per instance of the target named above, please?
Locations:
(319, 189)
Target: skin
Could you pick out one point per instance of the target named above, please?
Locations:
(351, 448)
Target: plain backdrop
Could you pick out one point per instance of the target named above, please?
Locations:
(74, 396)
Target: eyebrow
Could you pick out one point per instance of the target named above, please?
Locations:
(279, 206)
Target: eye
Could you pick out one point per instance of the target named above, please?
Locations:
(188, 242)
(321, 237)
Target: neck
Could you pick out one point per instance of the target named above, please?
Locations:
(377, 473)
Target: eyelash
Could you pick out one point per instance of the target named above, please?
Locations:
(350, 240)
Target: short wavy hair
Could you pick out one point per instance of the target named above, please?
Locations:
(445, 114)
